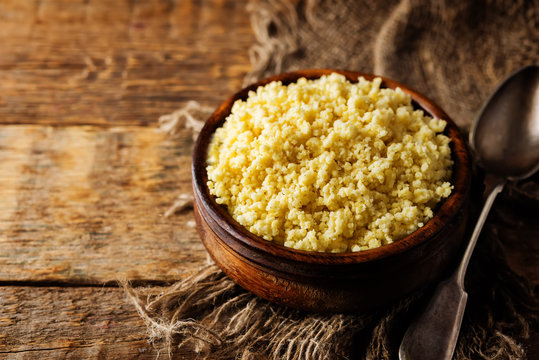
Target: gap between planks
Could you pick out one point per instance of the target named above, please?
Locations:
(74, 284)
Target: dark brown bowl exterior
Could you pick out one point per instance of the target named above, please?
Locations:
(327, 282)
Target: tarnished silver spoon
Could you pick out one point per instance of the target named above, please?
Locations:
(505, 141)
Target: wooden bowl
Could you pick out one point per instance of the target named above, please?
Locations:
(332, 282)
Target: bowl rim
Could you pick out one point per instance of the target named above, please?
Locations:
(448, 209)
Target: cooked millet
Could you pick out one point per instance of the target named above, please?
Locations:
(329, 165)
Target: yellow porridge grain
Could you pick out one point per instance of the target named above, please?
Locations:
(329, 165)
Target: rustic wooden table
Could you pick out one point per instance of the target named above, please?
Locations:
(85, 178)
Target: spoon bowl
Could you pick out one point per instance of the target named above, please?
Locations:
(505, 136)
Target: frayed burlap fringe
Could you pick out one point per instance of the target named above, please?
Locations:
(191, 117)
(208, 316)
(183, 202)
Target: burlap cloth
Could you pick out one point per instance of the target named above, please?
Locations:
(455, 52)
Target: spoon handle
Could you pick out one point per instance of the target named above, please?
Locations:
(434, 335)
(496, 186)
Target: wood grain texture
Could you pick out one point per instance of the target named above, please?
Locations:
(84, 204)
(117, 62)
(70, 323)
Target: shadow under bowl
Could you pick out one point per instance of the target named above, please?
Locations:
(333, 282)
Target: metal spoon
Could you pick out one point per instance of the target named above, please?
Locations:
(505, 140)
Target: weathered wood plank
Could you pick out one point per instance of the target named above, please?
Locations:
(82, 323)
(85, 205)
(119, 62)
(70, 323)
